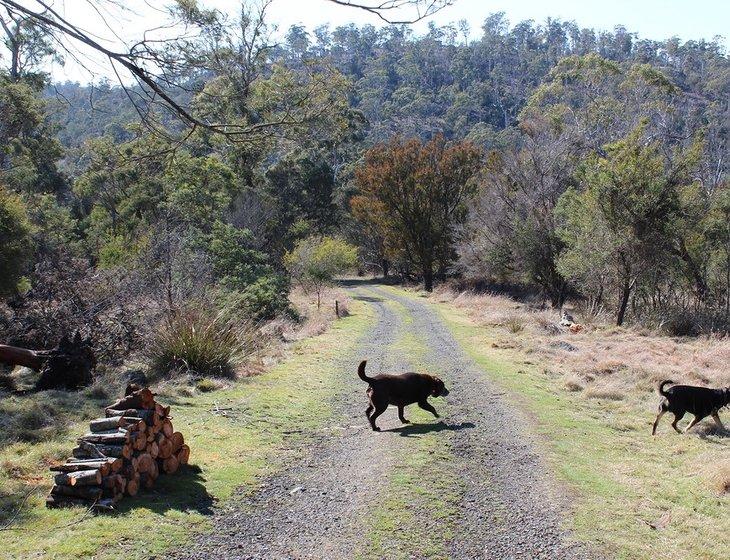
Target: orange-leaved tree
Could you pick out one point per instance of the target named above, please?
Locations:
(414, 194)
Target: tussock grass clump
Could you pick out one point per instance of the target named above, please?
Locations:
(32, 420)
(514, 325)
(208, 385)
(201, 345)
(719, 477)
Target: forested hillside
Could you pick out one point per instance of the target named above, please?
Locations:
(572, 163)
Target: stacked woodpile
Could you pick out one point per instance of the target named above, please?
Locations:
(123, 452)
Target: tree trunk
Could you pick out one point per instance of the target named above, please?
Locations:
(625, 295)
(428, 278)
(386, 268)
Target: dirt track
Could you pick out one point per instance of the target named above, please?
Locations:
(318, 507)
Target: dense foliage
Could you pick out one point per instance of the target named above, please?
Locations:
(560, 160)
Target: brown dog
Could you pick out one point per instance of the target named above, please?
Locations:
(400, 390)
(698, 401)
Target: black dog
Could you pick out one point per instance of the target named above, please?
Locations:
(400, 390)
(699, 401)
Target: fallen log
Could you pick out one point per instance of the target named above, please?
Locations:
(69, 365)
(15, 356)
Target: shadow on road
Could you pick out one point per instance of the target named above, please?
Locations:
(355, 282)
(414, 430)
(368, 298)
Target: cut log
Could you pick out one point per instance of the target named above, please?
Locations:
(79, 478)
(146, 480)
(105, 424)
(143, 399)
(129, 470)
(146, 415)
(170, 465)
(105, 466)
(155, 470)
(85, 492)
(139, 441)
(165, 446)
(145, 463)
(153, 449)
(87, 450)
(56, 501)
(162, 411)
(132, 487)
(183, 455)
(167, 428)
(116, 437)
(177, 440)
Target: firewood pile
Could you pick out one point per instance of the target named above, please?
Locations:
(122, 453)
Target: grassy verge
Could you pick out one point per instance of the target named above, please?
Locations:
(416, 516)
(635, 496)
(237, 435)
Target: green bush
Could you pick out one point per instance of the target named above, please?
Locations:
(265, 298)
(15, 241)
(201, 345)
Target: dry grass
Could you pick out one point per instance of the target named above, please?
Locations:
(607, 365)
(603, 361)
(317, 321)
(718, 477)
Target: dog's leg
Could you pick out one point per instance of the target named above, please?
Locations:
(401, 417)
(369, 410)
(656, 422)
(379, 409)
(677, 418)
(692, 424)
(716, 418)
(426, 406)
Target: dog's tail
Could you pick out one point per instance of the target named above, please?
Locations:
(361, 372)
(660, 387)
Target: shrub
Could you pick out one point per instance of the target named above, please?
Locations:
(315, 262)
(265, 298)
(15, 239)
(201, 345)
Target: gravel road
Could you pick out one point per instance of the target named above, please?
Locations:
(315, 508)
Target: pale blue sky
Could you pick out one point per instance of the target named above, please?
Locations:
(654, 19)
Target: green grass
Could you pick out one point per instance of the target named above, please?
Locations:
(622, 479)
(237, 435)
(417, 513)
